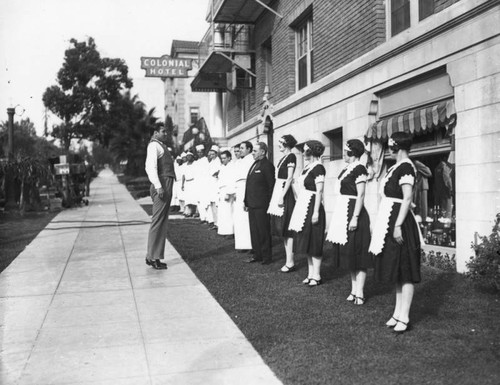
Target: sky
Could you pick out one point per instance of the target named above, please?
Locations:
(35, 33)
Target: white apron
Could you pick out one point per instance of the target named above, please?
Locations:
(302, 203)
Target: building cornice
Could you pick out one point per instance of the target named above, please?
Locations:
(364, 63)
(444, 21)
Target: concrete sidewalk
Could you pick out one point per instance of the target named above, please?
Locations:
(79, 305)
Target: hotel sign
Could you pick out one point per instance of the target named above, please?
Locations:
(166, 67)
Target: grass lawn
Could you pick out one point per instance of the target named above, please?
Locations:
(314, 336)
(17, 231)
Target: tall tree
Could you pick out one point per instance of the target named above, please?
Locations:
(131, 126)
(26, 141)
(87, 85)
(21, 177)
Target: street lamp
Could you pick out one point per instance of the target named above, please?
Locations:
(10, 127)
(10, 201)
(19, 111)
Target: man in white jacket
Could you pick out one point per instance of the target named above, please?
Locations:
(242, 240)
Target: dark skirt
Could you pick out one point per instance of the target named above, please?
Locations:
(279, 225)
(400, 263)
(354, 255)
(310, 240)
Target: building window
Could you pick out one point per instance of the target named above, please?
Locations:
(304, 52)
(194, 114)
(336, 143)
(403, 14)
(400, 16)
(425, 8)
(432, 151)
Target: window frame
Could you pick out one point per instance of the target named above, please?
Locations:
(416, 6)
(305, 27)
(191, 109)
(336, 141)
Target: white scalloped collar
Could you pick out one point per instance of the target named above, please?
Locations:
(391, 171)
(310, 166)
(348, 169)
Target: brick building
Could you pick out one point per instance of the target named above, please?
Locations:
(334, 70)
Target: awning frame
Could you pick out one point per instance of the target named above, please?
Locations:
(235, 63)
(417, 121)
(221, 18)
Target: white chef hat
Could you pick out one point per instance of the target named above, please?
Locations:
(200, 147)
(214, 148)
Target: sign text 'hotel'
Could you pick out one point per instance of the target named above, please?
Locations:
(166, 67)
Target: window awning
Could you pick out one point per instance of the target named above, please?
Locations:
(212, 75)
(416, 122)
(209, 82)
(240, 11)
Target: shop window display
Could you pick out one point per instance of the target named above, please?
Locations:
(434, 198)
(434, 189)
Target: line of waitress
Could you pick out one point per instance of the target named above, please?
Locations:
(396, 237)
(283, 201)
(349, 229)
(308, 217)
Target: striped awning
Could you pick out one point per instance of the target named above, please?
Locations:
(416, 122)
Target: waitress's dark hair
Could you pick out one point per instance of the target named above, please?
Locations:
(356, 148)
(317, 148)
(290, 141)
(403, 140)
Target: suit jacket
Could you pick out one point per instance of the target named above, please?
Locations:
(260, 184)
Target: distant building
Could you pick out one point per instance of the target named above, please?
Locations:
(334, 70)
(184, 106)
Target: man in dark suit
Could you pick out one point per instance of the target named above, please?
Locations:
(258, 192)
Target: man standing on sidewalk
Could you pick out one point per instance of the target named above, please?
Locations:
(161, 174)
(258, 192)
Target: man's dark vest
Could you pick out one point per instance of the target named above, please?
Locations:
(165, 164)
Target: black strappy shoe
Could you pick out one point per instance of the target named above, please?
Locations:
(314, 282)
(408, 327)
(286, 269)
(390, 326)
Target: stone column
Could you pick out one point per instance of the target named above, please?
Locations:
(476, 81)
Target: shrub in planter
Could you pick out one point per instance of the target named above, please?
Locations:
(439, 260)
(484, 267)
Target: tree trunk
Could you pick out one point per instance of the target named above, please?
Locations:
(21, 198)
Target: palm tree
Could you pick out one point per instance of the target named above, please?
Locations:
(131, 132)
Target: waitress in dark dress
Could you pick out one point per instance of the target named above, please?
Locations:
(349, 229)
(308, 218)
(396, 239)
(283, 200)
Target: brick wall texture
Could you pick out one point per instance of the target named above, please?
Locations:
(343, 31)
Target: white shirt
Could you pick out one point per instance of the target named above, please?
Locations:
(244, 166)
(154, 152)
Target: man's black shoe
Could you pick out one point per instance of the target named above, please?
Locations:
(157, 265)
(266, 262)
(253, 260)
